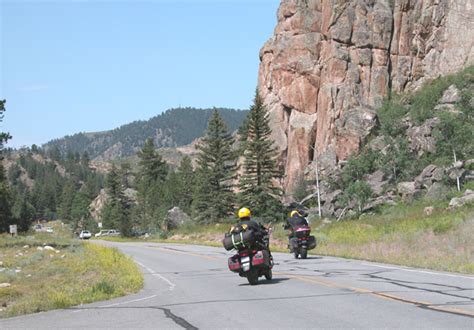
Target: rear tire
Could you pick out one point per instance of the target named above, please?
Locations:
(296, 255)
(269, 275)
(252, 277)
(304, 253)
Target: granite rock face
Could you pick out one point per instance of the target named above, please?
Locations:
(329, 65)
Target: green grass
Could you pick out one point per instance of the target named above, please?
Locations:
(398, 234)
(74, 273)
(403, 235)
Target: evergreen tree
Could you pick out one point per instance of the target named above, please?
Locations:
(67, 197)
(152, 167)
(257, 188)
(186, 182)
(5, 193)
(150, 178)
(117, 210)
(5, 202)
(23, 213)
(217, 165)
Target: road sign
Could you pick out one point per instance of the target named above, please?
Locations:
(13, 229)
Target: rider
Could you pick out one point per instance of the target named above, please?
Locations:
(296, 219)
(261, 233)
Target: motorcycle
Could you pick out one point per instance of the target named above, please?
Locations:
(250, 261)
(300, 241)
(252, 264)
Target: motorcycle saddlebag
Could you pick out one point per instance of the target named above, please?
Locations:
(293, 244)
(238, 240)
(261, 258)
(234, 263)
(311, 242)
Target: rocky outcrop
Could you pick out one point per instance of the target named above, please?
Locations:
(330, 63)
(97, 205)
(176, 218)
(467, 198)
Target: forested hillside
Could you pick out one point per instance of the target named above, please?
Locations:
(48, 187)
(175, 127)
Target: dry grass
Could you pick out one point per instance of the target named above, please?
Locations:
(71, 274)
(399, 235)
(442, 241)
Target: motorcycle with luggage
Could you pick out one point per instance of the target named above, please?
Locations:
(253, 258)
(300, 241)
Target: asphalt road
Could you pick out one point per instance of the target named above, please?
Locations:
(190, 287)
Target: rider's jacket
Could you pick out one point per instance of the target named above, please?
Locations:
(297, 221)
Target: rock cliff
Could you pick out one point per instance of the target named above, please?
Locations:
(330, 63)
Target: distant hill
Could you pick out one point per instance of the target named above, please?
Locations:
(173, 128)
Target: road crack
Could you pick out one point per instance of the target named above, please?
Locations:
(176, 319)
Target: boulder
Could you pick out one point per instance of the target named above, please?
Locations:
(438, 174)
(176, 218)
(376, 182)
(409, 191)
(420, 137)
(437, 192)
(467, 198)
(456, 173)
(332, 196)
(381, 200)
(429, 174)
(451, 95)
(428, 210)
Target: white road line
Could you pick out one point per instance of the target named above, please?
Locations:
(117, 304)
(129, 301)
(152, 272)
(418, 271)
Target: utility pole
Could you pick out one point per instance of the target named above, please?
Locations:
(317, 181)
(457, 177)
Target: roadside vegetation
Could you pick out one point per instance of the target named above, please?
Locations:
(401, 235)
(51, 270)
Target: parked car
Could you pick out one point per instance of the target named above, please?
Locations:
(113, 232)
(107, 232)
(85, 234)
(102, 233)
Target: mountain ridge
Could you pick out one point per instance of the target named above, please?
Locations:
(173, 128)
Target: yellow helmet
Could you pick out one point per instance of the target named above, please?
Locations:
(294, 212)
(244, 213)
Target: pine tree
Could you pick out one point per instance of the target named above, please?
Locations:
(67, 197)
(23, 213)
(257, 188)
(186, 182)
(5, 193)
(150, 178)
(217, 167)
(152, 167)
(117, 211)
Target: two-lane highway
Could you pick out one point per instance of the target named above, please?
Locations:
(190, 286)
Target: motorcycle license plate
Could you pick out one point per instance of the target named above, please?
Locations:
(245, 263)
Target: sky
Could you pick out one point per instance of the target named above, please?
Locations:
(70, 66)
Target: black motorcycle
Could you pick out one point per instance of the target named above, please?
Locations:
(251, 260)
(300, 241)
